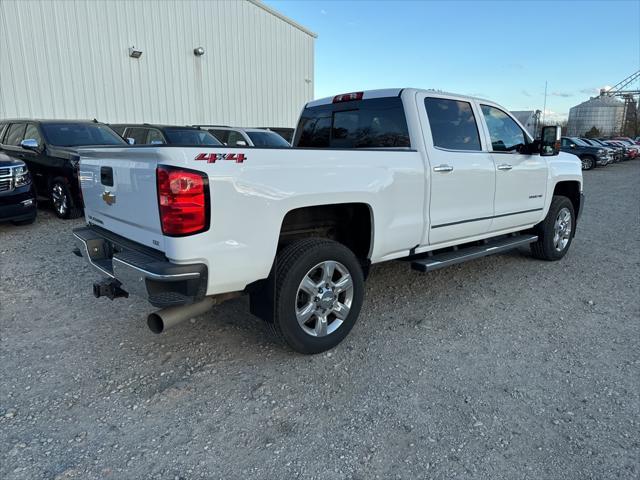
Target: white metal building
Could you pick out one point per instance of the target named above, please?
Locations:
(75, 59)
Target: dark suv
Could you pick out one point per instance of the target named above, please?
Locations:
(17, 197)
(49, 148)
(147, 134)
(589, 156)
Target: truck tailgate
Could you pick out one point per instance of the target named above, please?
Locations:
(120, 193)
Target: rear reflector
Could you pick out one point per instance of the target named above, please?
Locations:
(348, 97)
(183, 200)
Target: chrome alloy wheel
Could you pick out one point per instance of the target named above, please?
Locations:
(59, 199)
(562, 229)
(324, 298)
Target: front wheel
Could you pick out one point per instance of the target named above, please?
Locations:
(319, 293)
(556, 231)
(62, 200)
(588, 163)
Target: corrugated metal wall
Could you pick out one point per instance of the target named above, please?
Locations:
(70, 59)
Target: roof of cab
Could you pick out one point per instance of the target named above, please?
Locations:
(393, 92)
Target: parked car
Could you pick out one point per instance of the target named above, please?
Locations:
(634, 149)
(286, 133)
(246, 137)
(17, 196)
(49, 148)
(615, 152)
(628, 154)
(147, 134)
(430, 177)
(589, 156)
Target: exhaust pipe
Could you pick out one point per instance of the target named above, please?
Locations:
(169, 317)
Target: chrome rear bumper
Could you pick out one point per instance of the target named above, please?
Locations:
(140, 270)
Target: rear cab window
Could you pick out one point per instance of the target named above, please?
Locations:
(453, 124)
(368, 123)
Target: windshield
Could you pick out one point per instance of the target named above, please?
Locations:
(267, 139)
(190, 137)
(80, 134)
(577, 141)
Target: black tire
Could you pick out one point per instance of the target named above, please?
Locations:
(546, 248)
(62, 200)
(293, 264)
(588, 162)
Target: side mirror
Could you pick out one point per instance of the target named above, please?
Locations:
(131, 141)
(573, 145)
(30, 144)
(550, 141)
(241, 143)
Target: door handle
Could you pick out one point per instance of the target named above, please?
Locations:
(443, 168)
(505, 166)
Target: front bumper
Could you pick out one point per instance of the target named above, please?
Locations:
(18, 205)
(140, 270)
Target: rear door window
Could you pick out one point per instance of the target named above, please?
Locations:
(15, 135)
(453, 125)
(372, 123)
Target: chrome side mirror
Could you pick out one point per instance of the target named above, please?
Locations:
(131, 141)
(241, 143)
(30, 144)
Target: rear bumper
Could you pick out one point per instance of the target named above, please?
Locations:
(141, 271)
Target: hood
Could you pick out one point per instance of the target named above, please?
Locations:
(62, 152)
(6, 161)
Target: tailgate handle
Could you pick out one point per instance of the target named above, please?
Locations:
(106, 176)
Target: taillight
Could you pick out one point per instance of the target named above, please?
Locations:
(183, 199)
(348, 97)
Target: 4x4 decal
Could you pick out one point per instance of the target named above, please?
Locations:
(215, 157)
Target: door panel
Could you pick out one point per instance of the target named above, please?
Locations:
(461, 175)
(521, 180)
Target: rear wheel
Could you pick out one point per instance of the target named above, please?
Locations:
(556, 231)
(319, 293)
(588, 162)
(62, 200)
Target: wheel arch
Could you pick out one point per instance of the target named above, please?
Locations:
(350, 223)
(571, 190)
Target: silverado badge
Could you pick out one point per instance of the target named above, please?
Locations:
(108, 197)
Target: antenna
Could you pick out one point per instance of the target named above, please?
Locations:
(544, 109)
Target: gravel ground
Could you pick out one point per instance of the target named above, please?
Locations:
(504, 367)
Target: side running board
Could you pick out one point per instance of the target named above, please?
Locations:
(463, 254)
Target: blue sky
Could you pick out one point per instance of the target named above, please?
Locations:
(501, 50)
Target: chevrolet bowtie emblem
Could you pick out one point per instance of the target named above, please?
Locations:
(108, 197)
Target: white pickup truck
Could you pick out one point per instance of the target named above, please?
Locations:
(426, 176)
